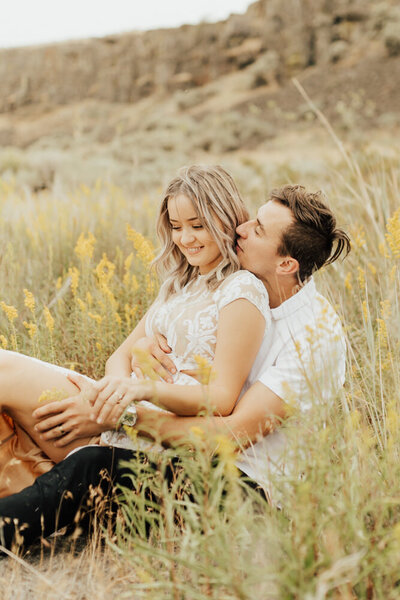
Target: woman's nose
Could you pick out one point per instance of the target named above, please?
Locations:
(187, 237)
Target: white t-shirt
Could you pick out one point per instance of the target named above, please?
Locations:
(302, 360)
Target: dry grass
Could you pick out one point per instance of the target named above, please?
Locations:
(338, 535)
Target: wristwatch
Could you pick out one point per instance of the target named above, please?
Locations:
(129, 417)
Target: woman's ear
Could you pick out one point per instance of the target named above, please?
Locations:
(288, 266)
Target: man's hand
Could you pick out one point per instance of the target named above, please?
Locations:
(158, 349)
(71, 416)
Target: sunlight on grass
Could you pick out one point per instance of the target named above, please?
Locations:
(75, 280)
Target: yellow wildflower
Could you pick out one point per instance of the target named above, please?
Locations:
(198, 432)
(146, 362)
(99, 346)
(134, 283)
(393, 233)
(128, 261)
(49, 320)
(96, 317)
(130, 313)
(144, 248)
(386, 309)
(127, 265)
(372, 268)
(365, 310)
(58, 283)
(109, 295)
(393, 273)
(10, 311)
(31, 327)
(150, 286)
(104, 270)
(3, 341)
(204, 369)
(85, 246)
(81, 304)
(358, 236)
(118, 318)
(73, 273)
(89, 299)
(347, 282)
(29, 300)
(361, 277)
(53, 395)
(353, 421)
(382, 333)
(226, 450)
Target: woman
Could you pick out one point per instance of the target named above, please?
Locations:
(205, 307)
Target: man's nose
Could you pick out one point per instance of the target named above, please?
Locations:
(242, 230)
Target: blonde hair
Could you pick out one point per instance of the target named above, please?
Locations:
(216, 200)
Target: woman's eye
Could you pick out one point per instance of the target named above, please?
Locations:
(197, 226)
(175, 227)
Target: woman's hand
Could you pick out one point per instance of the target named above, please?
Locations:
(113, 396)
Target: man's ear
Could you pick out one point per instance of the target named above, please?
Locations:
(288, 266)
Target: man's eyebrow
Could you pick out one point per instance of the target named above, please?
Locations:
(260, 225)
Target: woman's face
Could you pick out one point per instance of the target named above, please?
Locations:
(193, 240)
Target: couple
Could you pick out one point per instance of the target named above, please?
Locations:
(238, 293)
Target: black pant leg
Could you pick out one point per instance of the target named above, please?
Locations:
(55, 498)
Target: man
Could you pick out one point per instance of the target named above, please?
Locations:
(303, 360)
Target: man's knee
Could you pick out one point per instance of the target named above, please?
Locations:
(96, 464)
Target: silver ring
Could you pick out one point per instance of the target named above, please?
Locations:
(61, 430)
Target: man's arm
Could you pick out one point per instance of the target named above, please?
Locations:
(256, 415)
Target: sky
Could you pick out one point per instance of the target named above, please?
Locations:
(27, 22)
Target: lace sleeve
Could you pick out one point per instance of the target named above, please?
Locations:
(244, 284)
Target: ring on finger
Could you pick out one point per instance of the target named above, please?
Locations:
(120, 396)
(61, 430)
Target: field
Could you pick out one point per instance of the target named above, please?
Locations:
(75, 279)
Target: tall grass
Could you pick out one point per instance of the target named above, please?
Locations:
(338, 533)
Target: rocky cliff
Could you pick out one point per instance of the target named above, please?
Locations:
(275, 39)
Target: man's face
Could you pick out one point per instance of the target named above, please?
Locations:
(259, 240)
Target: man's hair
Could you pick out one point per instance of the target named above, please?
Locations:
(312, 239)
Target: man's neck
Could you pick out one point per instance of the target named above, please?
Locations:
(280, 291)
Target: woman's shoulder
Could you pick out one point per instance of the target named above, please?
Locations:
(243, 284)
(243, 278)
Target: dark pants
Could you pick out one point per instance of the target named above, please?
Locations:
(64, 495)
(75, 490)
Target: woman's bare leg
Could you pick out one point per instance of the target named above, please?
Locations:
(22, 381)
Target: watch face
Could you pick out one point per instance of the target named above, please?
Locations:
(129, 417)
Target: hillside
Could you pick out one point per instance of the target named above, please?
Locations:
(161, 98)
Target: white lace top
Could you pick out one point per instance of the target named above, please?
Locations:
(189, 322)
(189, 319)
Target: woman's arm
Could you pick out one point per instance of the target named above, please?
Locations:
(119, 363)
(239, 335)
(240, 332)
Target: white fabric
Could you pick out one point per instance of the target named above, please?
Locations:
(302, 360)
(189, 322)
(189, 319)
